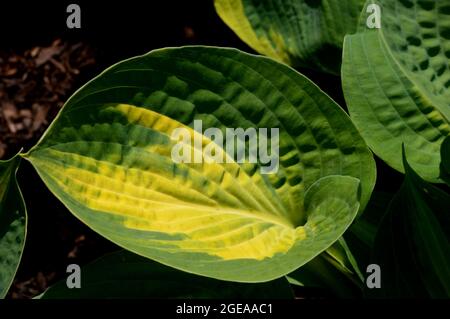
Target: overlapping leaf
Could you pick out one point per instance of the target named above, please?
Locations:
(107, 157)
(12, 223)
(412, 245)
(322, 272)
(396, 82)
(125, 275)
(300, 33)
(361, 235)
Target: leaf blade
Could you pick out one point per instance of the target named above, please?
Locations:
(412, 244)
(127, 276)
(13, 220)
(299, 33)
(107, 157)
(391, 92)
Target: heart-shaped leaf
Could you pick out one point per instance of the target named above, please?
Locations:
(125, 275)
(321, 272)
(412, 245)
(396, 81)
(307, 33)
(108, 158)
(12, 223)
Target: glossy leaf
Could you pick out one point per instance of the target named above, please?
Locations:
(396, 82)
(12, 223)
(107, 157)
(307, 33)
(412, 245)
(128, 276)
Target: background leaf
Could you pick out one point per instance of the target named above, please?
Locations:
(396, 82)
(360, 237)
(107, 158)
(322, 273)
(412, 245)
(13, 221)
(307, 33)
(128, 276)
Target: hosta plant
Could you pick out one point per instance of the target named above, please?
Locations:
(109, 158)
(299, 33)
(12, 223)
(396, 82)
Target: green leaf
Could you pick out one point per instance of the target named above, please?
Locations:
(321, 273)
(412, 245)
(306, 33)
(340, 256)
(107, 157)
(128, 276)
(335, 270)
(396, 82)
(13, 221)
(445, 160)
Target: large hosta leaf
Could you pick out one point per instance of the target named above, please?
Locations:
(396, 81)
(125, 275)
(12, 223)
(300, 33)
(412, 245)
(107, 157)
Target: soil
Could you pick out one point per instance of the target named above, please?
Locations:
(34, 85)
(33, 88)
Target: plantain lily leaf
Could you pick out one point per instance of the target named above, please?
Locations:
(321, 273)
(336, 270)
(307, 33)
(412, 245)
(396, 82)
(109, 158)
(361, 234)
(341, 256)
(126, 275)
(12, 223)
